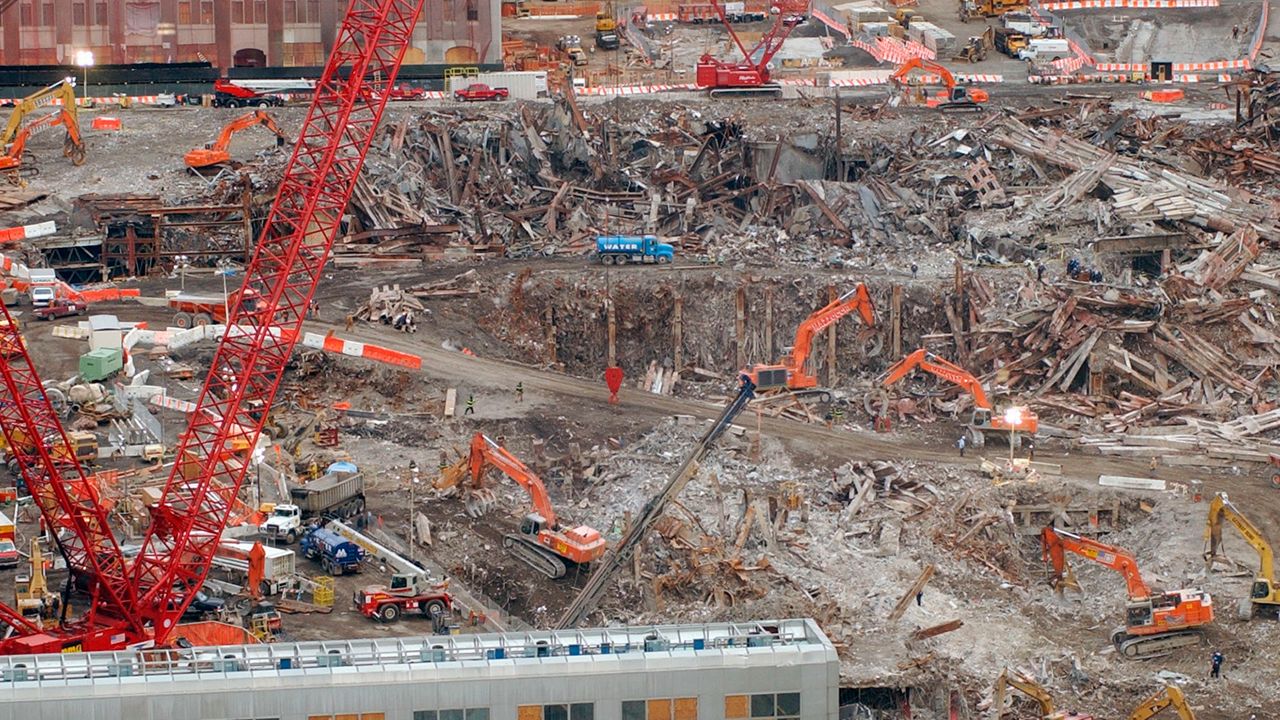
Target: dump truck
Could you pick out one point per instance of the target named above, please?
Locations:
(622, 249)
(198, 310)
(335, 494)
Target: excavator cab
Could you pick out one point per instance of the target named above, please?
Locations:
(532, 524)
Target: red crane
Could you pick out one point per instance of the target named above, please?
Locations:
(131, 603)
(751, 75)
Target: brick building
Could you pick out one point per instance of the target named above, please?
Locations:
(228, 32)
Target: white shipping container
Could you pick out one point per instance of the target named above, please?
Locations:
(731, 8)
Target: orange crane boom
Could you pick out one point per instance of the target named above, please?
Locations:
(1156, 623)
(790, 372)
(217, 152)
(542, 542)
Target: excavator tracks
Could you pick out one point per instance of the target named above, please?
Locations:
(1146, 647)
(535, 556)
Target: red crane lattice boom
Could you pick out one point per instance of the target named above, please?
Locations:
(145, 600)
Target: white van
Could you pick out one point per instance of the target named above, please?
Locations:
(1046, 49)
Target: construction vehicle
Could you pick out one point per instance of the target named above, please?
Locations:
(1264, 596)
(752, 75)
(31, 594)
(976, 49)
(201, 310)
(606, 28)
(138, 602)
(1032, 689)
(336, 554)
(734, 12)
(11, 160)
(407, 591)
(613, 564)
(904, 16)
(1169, 696)
(1156, 624)
(571, 46)
(216, 152)
(542, 543)
(1010, 42)
(790, 373)
(621, 249)
(232, 95)
(63, 93)
(978, 9)
(336, 493)
(983, 420)
(954, 98)
(479, 92)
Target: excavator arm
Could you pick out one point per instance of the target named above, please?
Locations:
(1024, 685)
(64, 91)
(217, 151)
(1220, 507)
(858, 299)
(1170, 696)
(1056, 543)
(73, 146)
(924, 360)
(487, 453)
(917, 63)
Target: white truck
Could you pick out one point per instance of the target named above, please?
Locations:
(337, 494)
(43, 289)
(1046, 49)
(279, 565)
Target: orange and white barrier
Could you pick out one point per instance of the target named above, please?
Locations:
(171, 403)
(1130, 4)
(634, 89)
(28, 232)
(376, 353)
(1177, 67)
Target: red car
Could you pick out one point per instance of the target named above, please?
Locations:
(405, 91)
(63, 308)
(481, 92)
(9, 556)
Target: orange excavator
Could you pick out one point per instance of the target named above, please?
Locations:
(1012, 421)
(956, 97)
(216, 153)
(790, 372)
(11, 163)
(1156, 624)
(542, 542)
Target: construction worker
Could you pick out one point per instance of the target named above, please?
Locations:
(1031, 449)
(914, 269)
(920, 598)
(1216, 659)
(351, 320)
(471, 405)
(1235, 32)
(960, 444)
(1040, 273)
(837, 416)
(520, 392)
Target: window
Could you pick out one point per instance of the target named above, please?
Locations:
(473, 12)
(100, 13)
(762, 706)
(455, 714)
(557, 711)
(27, 14)
(46, 13)
(260, 11)
(184, 12)
(206, 12)
(78, 13)
(237, 11)
(350, 716)
(313, 11)
(660, 709)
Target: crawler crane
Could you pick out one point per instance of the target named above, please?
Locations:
(138, 603)
(1264, 596)
(543, 543)
(1156, 624)
(753, 75)
(790, 372)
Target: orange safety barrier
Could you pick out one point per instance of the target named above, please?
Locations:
(108, 294)
(575, 9)
(1163, 96)
(106, 123)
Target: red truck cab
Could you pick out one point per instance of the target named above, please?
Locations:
(405, 91)
(481, 92)
(60, 308)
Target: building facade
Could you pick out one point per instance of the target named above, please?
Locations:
(775, 670)
(229, 32)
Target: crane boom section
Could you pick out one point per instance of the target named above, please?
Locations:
(486, 452)
(1221, 507)
(67, 501)
(289, 257)
(857, 299)
(1055, 542)
(949, 371)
